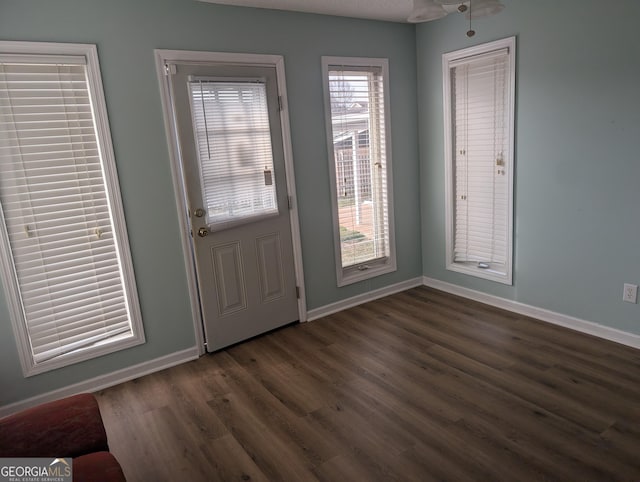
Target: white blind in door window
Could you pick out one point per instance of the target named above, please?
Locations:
(480, 117)
(233, 142)
(359, 147)
(56, 208)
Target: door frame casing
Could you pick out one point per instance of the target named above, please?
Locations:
(162, 57)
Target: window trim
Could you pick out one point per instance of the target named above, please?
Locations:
(447, 60)
(103, 137)
(353, 274)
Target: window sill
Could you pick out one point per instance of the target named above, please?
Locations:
(353, 274)
(98, 349)
(503, 277)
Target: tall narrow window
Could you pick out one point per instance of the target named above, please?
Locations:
(479, 87)
(357, 116)
(65, 259)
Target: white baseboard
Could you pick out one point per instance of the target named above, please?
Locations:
(363, 298)
(577, 324)
(105, 381)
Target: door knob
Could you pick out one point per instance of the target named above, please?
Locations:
(202, 232)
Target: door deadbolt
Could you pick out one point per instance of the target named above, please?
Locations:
(199, 212)
(202, 232)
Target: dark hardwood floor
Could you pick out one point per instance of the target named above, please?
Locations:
(420, 385)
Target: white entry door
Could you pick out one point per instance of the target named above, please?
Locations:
(230, 139)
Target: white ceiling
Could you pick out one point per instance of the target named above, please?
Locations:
(391, 10)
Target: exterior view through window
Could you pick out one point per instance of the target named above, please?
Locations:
(360, 167)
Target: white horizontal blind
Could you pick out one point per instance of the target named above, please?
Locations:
(480, 117)
(233, 140)
(56, 208)
(359, 144)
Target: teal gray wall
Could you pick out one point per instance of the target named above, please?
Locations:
(126, 33)
(577, 177)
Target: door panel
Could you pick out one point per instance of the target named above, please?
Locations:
(228, 125)
(270, 267)
(229, 276)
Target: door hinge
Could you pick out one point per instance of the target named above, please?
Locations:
(297, 292)
(170, 69)
(280, 108)
(290, 201)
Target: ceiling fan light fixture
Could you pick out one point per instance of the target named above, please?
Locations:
(425, 11)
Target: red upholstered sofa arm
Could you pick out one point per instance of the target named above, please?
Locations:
(65, 428)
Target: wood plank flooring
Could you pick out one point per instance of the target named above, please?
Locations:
(421, 385)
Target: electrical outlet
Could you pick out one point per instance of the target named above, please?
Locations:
(630, 293)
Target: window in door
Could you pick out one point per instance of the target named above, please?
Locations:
(357, 119)
(65, 259)
(233, 145)
(479, 84)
